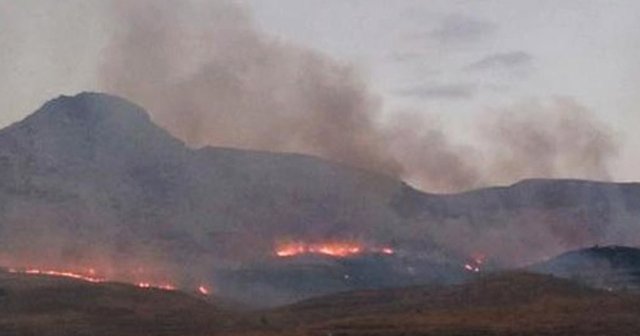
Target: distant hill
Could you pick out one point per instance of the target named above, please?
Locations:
(90, 180)
(531, 220)
(491, 291)
(608, 267)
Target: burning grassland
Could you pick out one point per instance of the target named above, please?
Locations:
(92, 276)
(336, 249)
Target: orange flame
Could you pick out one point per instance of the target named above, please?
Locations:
(88, 278)
(336, 249)
(333, 249)
(291, 249)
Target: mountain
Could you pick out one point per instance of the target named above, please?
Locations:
(90, 181)
(608, 267)
(95, 167)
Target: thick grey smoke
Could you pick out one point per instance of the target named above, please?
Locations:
(221, 81)
(226, 84)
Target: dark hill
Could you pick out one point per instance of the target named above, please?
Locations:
(502, 304)
(491, 291)
(609, 267)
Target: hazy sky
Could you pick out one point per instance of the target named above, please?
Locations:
(450, 59)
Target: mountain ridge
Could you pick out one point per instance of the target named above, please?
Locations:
(90, 179)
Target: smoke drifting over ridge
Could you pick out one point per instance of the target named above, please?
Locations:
(556, 139)
(226, 83)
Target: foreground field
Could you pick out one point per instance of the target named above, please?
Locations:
(502, 304)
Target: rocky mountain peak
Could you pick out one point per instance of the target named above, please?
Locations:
(89, 125)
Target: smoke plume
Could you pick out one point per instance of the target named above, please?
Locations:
(226, 84)
(223, 82)
(559, 138)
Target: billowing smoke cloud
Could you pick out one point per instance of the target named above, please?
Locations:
(429, 157)
(245, 89)
(541, 139)
(222, 82)
(226, 84)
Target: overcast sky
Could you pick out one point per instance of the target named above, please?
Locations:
(451, 59)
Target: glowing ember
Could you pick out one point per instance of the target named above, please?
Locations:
(203, 290)
(167, 287)
(156, 286)
(387, 250)
(333, 249)
(477, 260)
